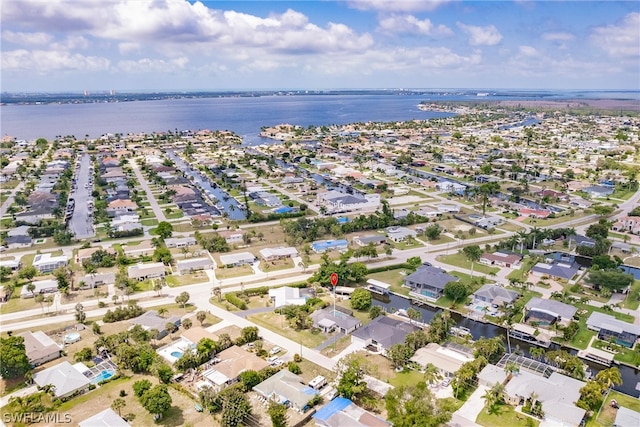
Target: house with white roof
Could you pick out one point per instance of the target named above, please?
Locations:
(185, 266)
(238, 259)
(106, 418)
(46, 263)
(146, 271)
(41, 287)
(40, 347)
(446, 360)
(270, 254)
(286, 295)
(65, 379)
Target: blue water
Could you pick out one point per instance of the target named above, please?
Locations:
(104, 375)
(176, 354)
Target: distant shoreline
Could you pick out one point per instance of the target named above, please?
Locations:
(601, 104)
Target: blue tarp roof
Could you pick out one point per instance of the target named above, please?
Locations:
(333, 407)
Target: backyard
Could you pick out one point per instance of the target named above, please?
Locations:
(505, 416)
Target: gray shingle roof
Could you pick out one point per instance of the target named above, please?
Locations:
(566, 311)
(431, 276)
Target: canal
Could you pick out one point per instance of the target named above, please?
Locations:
(630, 376)
(229, 204)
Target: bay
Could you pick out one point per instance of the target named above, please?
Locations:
(243, 115)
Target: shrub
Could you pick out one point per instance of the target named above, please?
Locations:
(233, 299)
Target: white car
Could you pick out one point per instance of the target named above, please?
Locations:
(272, 360)
(275, 350)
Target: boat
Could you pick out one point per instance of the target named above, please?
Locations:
(529, 335)
(460, 331)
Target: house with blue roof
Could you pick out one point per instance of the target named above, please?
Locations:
(342, 412)
(322, 246)
(556, 270)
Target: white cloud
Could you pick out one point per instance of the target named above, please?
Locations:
(397, 5)
(412, 25)
(528, 51)
(619, 40)
(148, 65)
(44, 61)
(558, 37)
(22, 38)
(481, 36)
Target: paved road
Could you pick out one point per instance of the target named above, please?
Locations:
(9, 201)
(155, 207)
(81, 223)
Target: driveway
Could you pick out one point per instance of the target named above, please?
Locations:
(467, 414)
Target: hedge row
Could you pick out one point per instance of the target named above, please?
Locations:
(233, 299)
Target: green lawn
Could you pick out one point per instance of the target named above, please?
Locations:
(624, 355)
(226, 273)
(607, 414)
(278, 324)
(523, 272)
(505, 416)
(149, 222)
(407, 378)
(187, 279)
(459, 260)
(632, 300)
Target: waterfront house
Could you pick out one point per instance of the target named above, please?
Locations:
(65, 379)
(445, 359)
(382, 332)
(146, 271)
(608, 327)
(428, 281)
(557, 394)
(288, 389)
(626, 417)
(555, 270)
(329, 319)
(493, 294)
(40, 347)
(45, 263)
(546, 312)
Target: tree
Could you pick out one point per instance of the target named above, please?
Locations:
(249, 334)
(201, 316)
(157, 286)
(162, 311)
(614, 280)
(357, 271)
(491, 349)
(164, 373)
(156, 400)
(163, 255)
(456, 291)
(493, 396)
(187, 323)
(375, 311)
(81, 316)
(410, 406)
(361, 299)
(164, 229)
(31, 288)
(249, 379)
(591, 395)
(170, 327)
(183, 298)
(28, 273)
(235, 407)
(399, 355)
(278, 414)
(609, 377)
(473, 254)
(14, 362)
(433, 232)
(352, 370)
(603, 210)
(118, 404)
(64, 281)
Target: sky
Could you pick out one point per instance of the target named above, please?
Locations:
(164, 45)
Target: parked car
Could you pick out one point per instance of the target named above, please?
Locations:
(275, 350)
(272, 360)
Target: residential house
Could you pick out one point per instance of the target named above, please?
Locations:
(12, 264)
(35, 215)
(557, 394)
(86, 253)
(382, 332)
(608, 327)
(321, 246)
(287, 295)
(16, 242)
(335, 201)
(629, 224)
(40, 347)
(329, 319)
(448, 207)
(121, 206)
(501, 259)
(146, 271)
(106, 418)
(446, 360)
(534, 213)
(152, 320)
(233, 361)
(232, 236)
(342, 412)
(144, 248)
(288, 389)
(399, 234)
(238, 259)
(451, 187)
(375, 239)
(271, 254)
(580, 240)
(41, 287)
(179, 242)
(546, 312)
(45, 263)
(428, 281)
(97, 279)
(65, 379)
(494, 294)
(626, 417)
(185, 266)
(555, 270)
(599, 191)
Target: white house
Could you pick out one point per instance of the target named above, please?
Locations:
(45, 263)
(65, 379)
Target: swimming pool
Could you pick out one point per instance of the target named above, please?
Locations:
(176, 354)
(104, 375)
(72, 337)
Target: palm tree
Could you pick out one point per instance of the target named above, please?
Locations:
(162, 311)
(118, 404)
(537, 353)
(609, 377)
(473, 254)
(431, 374)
